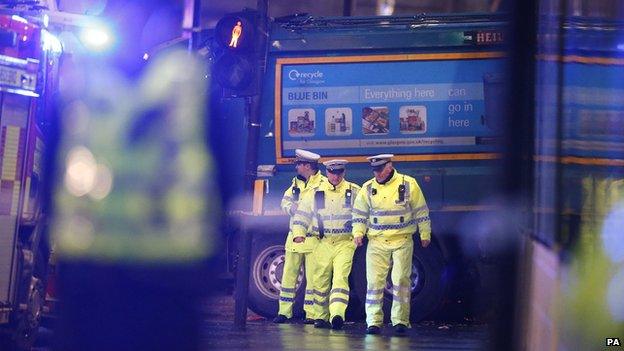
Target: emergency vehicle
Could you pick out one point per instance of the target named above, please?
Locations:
(378, 74)
(28, 76)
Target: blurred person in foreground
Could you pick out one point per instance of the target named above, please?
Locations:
(132, 222)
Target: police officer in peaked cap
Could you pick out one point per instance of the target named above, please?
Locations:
(326, 213)
(299, 249)
(389, 209)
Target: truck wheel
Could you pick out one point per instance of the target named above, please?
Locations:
(25, 323)
(428, 285)
(28, 324)
(265, 279)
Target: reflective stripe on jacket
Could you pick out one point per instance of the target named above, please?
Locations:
(378, 209)
(336, 214)
(289, 199)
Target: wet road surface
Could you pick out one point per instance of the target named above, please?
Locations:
(218, 333)
(264, 335)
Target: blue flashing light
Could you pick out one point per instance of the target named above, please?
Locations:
(97, 39)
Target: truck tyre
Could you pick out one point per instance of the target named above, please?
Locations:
(267, 264)
(28, 322)
(25, 324)
(428, 285)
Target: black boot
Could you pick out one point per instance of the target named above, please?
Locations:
(280, 319)
(337, 323)
(373, 329)
(322, 324)
(400, 330)
(308, 321)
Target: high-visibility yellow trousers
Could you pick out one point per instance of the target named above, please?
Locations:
(292, 265)
(333, 261)
(378, 256)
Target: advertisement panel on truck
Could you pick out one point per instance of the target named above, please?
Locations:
(410, 105)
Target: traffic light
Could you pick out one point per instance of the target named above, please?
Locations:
(236, 63)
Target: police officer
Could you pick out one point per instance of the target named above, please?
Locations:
(299, 248)
(389, 209)
(132, 245)
(328, 210)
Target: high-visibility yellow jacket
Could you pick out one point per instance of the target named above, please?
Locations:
(293, 195)
(333, 211)
(381, 210)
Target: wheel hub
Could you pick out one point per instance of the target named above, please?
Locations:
(268, 269)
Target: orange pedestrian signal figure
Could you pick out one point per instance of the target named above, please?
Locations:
(236, 33)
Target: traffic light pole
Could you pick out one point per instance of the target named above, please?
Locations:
(244, 242)
(252, 111)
